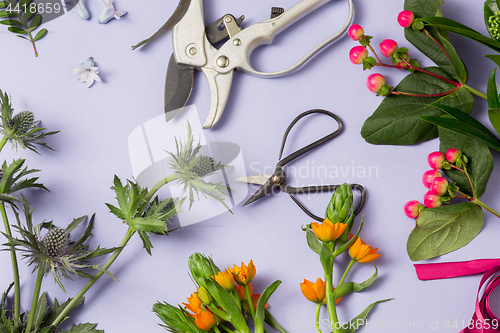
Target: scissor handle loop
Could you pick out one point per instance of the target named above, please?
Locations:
(239, 48)
(310, 146)
(325, 188)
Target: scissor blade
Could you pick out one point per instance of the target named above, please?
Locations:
(178, 87)
(255, 179)
(220, 85)
(264, 190)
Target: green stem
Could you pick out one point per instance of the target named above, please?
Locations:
(318, 309)
(432, 95)
(81, 293)
(15, 267)
(226, 329)
(457, 84)
(346, 271)
(475, 92)
(155, 189)
(330, 298)
(34, 303)
(216, 329)
(249, 301)
(488, 208)
(3, 142)
(27, 30)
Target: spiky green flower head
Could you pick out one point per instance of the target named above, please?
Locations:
(20, 129)
(49, 249)
(191, 167)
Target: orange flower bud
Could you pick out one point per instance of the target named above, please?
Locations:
(225, 279)
(205, 320)
(241, 291)
(243, 275)
(194, 303)
(315, 292)
(255, 299)
(363, 253)
(327, 231)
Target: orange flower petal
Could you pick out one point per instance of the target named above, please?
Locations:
(205, 320)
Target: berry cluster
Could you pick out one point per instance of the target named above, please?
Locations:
(440, 190)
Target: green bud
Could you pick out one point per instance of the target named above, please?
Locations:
(55, 241)
(202, 268)
(418, 25)
(369, 62)
(204, 295)
(174, 318)
(340, 205)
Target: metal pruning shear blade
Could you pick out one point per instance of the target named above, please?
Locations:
(278, 180)
(193, 49)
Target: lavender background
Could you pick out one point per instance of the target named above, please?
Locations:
(92, 146)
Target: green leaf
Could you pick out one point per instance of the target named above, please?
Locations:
(261, 304)
(458, 65)
(4, 4)
(462, 30)
(148, 224)
(313, 242)
(325, 257)
(172, 316)
(352, 287)
(494, 115)
(493, 57)
(419, 39)
(40, 311)
(492, 92)
(269, 319)
(490, 8)
(35, 22)
(57, 309)
(40, 34)
(444, 229)
(10, 22)
(24, 2)
(480, 163)
(83, 328)
(17, 30)
(5, 13)
(396, 120)
(355, 322)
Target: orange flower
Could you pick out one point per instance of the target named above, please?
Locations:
(205, 320)
(362, 253)
(255, 299)
(241, 291)
(194, 303)
(243, 275)
(315, 292)
(327, 231)
(225, 279)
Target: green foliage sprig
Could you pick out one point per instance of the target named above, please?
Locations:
(22, 20)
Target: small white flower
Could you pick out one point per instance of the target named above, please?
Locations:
(87, 72)
(109, 12)
(81, 10)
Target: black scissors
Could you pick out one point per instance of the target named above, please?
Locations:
(278, 179)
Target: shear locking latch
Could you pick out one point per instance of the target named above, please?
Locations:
(217, 32)
(276, 11)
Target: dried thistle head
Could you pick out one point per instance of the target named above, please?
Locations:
(20, 129)
(191, 167)
(49, 249)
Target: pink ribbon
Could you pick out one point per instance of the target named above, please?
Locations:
(483, 320)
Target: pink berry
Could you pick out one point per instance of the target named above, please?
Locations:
(412, 209)
(439, 186)
(453, 154)
(375, 82)
(436, 160)
(428, 177)
(388, 47)
(406, 18)
(431, 200)
(358, 54)
(355, 32)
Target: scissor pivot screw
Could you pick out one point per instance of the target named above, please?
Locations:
(228, 19)
(237, 42)
(223, 61)
(276, 179)
(193, 51)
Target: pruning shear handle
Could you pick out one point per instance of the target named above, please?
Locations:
(236, 52)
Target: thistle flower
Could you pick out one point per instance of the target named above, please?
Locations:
(190, 168)
(20, 129)
(54, 252)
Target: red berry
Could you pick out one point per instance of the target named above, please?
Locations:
(436, 160)
(355, 32)
(431, 200)
(406, 18)
(375, 82)
(358, 54)
(412, 209)
(388, 47)
(453, 154)
(439, 186)
(428, 177)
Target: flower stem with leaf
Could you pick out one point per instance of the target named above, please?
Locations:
(34, 303)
